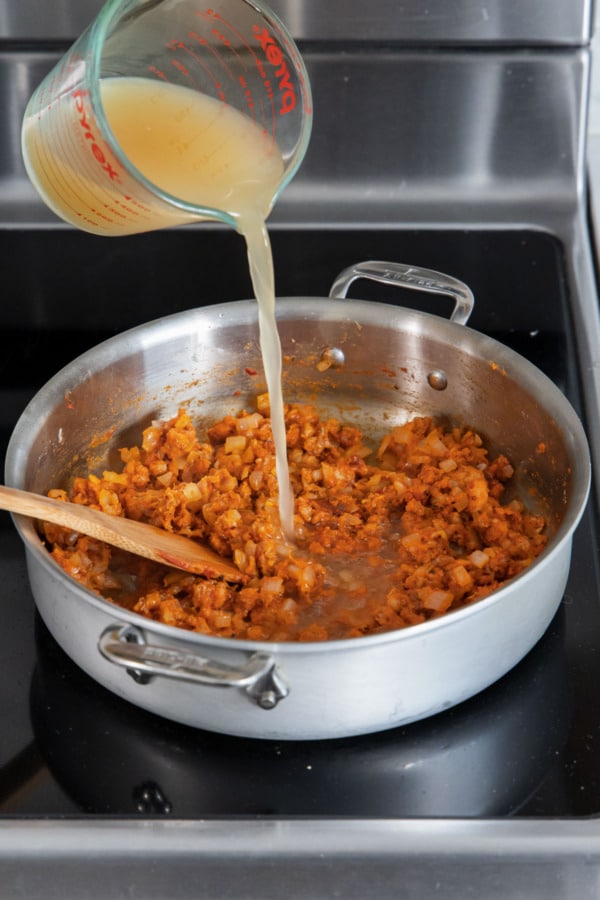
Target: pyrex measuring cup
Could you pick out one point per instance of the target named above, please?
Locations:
(169, 111)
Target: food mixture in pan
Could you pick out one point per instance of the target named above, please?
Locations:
(386, 536)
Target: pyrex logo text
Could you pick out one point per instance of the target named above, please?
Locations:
(282, 72)
(88, 134)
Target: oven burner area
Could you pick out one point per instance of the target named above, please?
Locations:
(526, 746)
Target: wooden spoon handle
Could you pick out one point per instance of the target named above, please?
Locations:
(135, 537)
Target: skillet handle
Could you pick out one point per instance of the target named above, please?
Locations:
(412, 277)
(126, 646)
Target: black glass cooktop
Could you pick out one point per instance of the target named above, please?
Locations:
(529, 745)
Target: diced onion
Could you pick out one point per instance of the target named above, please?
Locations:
(479, 558)
(249, 423)
(235, 443)
(438, 600)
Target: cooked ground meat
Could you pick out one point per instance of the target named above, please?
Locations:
(385, 537)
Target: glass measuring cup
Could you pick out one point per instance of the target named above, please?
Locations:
(166, 112)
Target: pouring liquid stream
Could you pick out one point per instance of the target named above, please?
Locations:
(260, 260)
(201, 149)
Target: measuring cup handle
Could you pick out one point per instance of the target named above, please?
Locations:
(413, 277)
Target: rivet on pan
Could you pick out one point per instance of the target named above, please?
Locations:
(437, 380)
(132, 635)
(331, 357)
(267, 700)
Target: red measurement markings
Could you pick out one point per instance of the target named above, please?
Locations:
(54, 146)
(273, 53)
(219, 33)
(270, 135)
(188, 73)
(227, 43)
(63, 190)
(83, 190)
(225, 26)
(267, 102)
(175, 62)
(206, 45)
(133, 206)
(218, 87)
(158, 72)
(212, 14)
(181, 68)
(247, 95)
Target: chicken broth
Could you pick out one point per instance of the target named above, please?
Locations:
(387, 535)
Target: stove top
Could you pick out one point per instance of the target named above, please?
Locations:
(526, 747)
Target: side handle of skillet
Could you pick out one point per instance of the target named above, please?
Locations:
(126, 646)
(413, 277)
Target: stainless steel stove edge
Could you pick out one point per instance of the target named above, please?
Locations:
(300, 858)
(473, 21)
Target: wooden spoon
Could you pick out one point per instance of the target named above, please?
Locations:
(135, 537)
